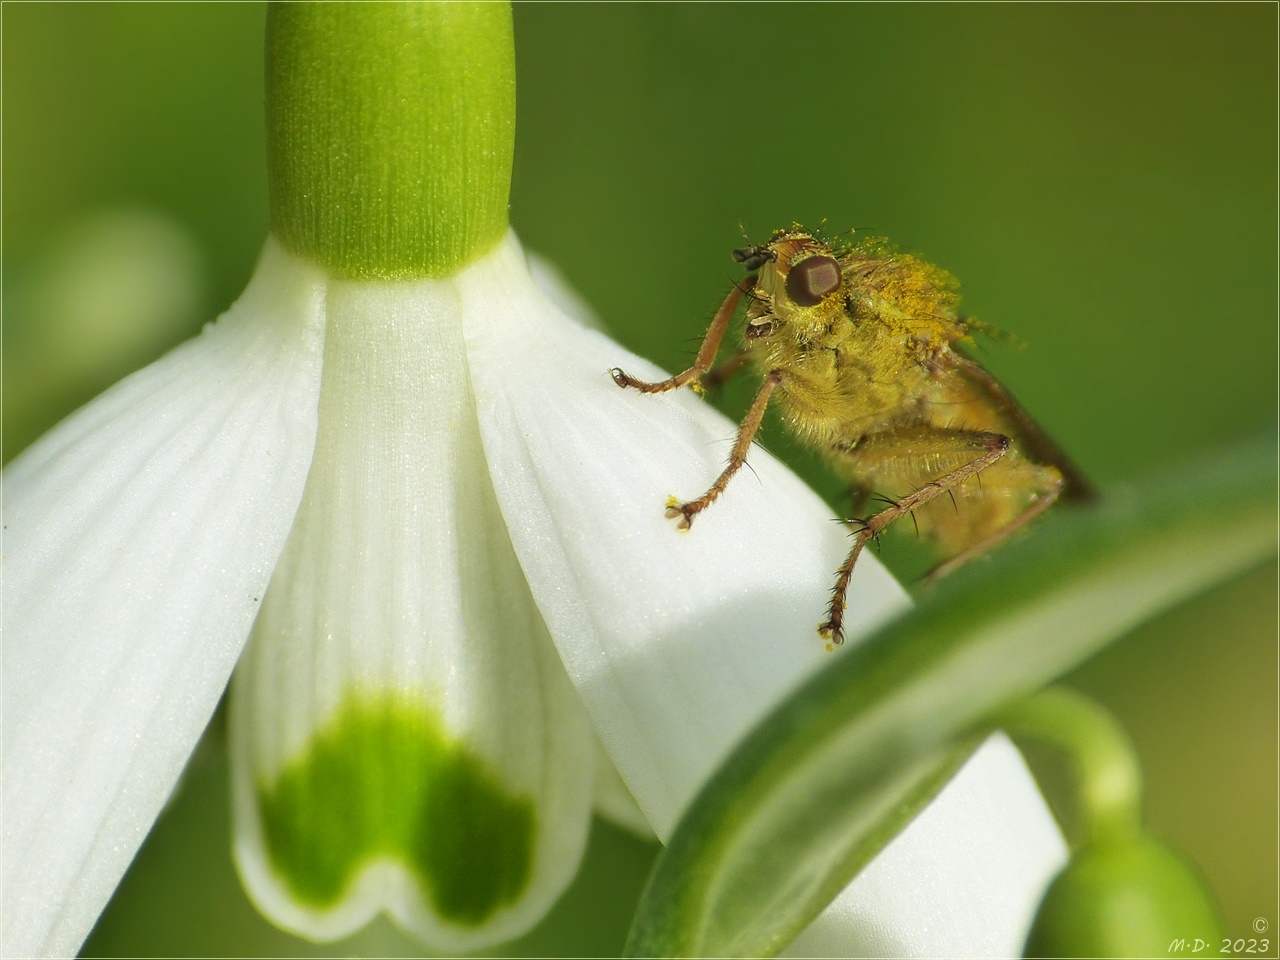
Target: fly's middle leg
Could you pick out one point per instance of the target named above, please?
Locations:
(746, 434)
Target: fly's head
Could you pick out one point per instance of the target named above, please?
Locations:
(799, 284)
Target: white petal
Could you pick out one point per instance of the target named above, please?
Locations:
(964, 880)
(548, 278)
(614, 801)
(678, 643)
(140, 534)
(400, 680)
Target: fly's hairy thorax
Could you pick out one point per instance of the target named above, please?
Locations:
(840, 384)
(859, 362)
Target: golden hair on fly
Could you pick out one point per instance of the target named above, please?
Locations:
(861, 347)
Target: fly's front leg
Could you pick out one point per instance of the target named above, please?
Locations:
(706, 353)
(746, 434)
(990, 447)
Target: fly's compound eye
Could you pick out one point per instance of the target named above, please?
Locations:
(811, 280)
(753, 258)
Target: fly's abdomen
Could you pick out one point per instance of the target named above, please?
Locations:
(987, 503)
(897, 462)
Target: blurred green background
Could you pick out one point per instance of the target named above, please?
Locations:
(1102, 178)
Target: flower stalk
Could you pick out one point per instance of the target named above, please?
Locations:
(1105, 768)
(1123, 893)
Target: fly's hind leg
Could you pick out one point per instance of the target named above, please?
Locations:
(741, 445)
(976, 450)
(706, 353)
(1053, 483)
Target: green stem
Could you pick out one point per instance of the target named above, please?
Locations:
(1108, 778)
(390, 132)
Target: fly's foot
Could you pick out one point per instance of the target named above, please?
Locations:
(685, 511)
(831, 631)
(624, 379)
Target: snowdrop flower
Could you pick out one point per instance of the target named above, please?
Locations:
(402, 475)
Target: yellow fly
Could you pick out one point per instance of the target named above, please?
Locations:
(860, 345)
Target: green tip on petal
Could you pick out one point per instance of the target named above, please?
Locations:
(391, 128)
(382, 782)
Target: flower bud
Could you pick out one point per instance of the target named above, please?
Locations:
(1130, 897)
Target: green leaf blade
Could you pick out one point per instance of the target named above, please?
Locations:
(818, 783)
